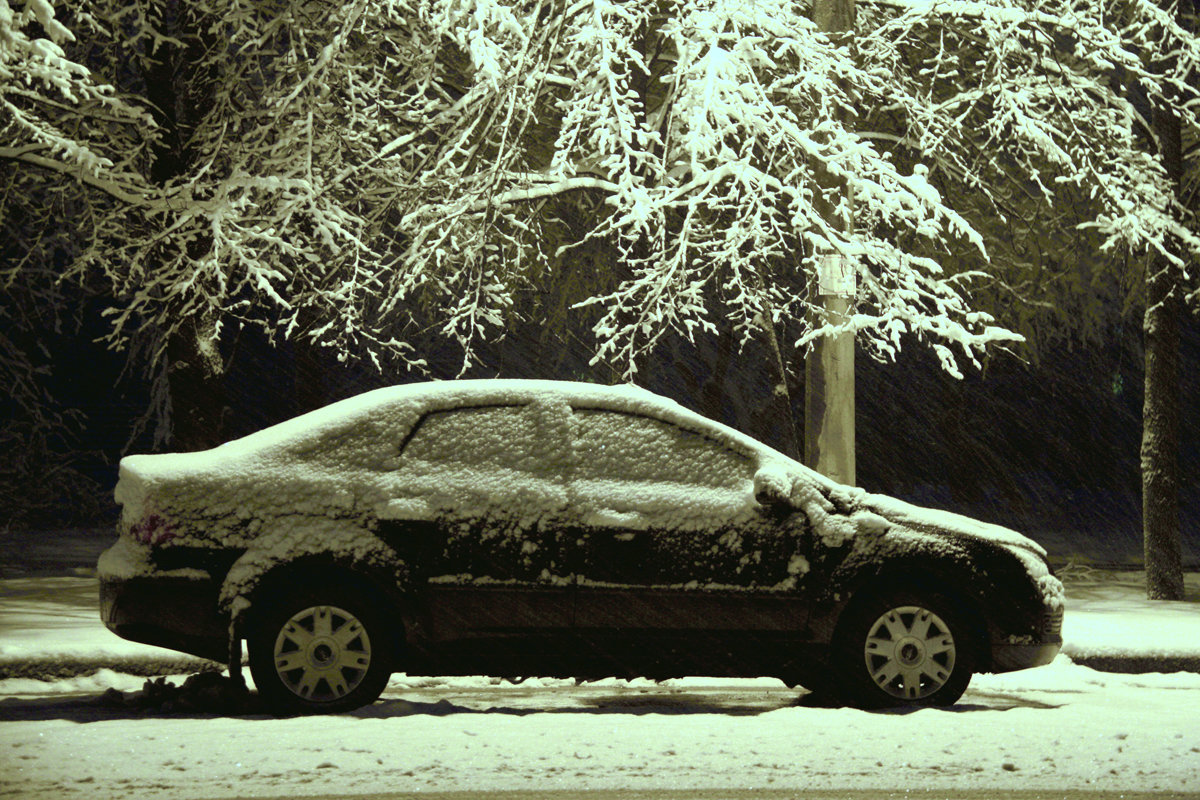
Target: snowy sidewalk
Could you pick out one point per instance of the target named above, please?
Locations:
(1111, 626)
(50, 627)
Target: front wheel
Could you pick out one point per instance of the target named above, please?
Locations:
(318, 651)
(902, 648)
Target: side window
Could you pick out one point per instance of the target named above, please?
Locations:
(487, 436)
(617, 446)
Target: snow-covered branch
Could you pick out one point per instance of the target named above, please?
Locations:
(32, 154)
(333, 172)
(539, 190)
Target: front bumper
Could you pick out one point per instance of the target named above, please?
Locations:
(1010, 655)
(175, 613)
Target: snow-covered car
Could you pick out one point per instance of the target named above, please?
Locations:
(539, 528)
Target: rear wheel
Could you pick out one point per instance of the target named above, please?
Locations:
(904, 648)
(319, 651)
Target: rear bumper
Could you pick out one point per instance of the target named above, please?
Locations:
(175, 613)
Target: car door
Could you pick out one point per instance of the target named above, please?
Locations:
(671, 542)
(487, 481)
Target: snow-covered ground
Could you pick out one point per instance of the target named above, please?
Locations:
(1059, 727)
(1055, 728)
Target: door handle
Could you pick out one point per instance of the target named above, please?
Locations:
(611, 518)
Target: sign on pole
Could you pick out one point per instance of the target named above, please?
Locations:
(836, 275)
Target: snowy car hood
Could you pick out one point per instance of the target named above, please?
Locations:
(931, 520)
(945, 523)
(838, 512)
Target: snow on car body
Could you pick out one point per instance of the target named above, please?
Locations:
(520, 528)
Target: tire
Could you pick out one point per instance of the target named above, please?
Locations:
(903, 648)
(319, 651)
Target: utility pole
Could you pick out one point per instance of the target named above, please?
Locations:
(829, 366)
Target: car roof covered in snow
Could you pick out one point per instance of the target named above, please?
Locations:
(410, 400)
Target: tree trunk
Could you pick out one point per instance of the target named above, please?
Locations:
(195, 380)
(195, 369)
(1161, 409)
(1160, 438)
(779, 405)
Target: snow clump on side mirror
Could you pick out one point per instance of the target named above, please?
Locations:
(772, 485)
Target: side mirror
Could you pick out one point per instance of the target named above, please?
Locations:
(772, 488)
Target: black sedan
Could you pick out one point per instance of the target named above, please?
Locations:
(539, 528)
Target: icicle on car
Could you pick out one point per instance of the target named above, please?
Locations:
(518, 528)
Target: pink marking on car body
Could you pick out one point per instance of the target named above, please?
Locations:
(152, 529)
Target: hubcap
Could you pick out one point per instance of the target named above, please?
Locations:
(909, 652)
(322, 653)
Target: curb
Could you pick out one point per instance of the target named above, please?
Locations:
(1137, 665)
(73, 667)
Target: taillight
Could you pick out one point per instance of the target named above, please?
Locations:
(151, 529)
